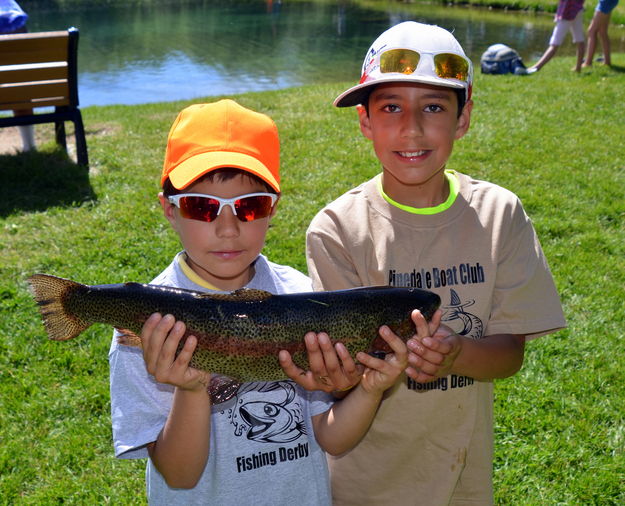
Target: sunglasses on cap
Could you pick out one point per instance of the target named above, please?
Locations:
(201, 207)
(445, 65)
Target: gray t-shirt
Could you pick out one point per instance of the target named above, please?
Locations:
(262, 445)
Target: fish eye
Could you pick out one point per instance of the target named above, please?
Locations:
(270, 410)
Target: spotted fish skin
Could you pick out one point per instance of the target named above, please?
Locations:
(239, 334)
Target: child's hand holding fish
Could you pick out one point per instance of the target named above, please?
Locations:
(380, 374)
(160, 338)
(181, 449)
(332, 369)
(343, 426)
(433, 349)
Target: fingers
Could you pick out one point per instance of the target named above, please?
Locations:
(393, 340)
(161, 337)
(421, 324)
(319, 350)
(423, 344)
(350, 367)
(435, 321)
(331, 366)
(432, 350)
(424, 360)
(152, 341)
(305, 379)
(397, 359)
(418, 375)
(290, 368)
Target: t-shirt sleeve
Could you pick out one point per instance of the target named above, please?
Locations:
(139, 404)
(329, 264)
(319, 402)
(525, 299)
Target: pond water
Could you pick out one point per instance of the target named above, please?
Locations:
(181, 50)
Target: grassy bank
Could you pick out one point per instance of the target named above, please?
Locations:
(554, 138)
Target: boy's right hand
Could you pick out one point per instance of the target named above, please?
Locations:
(160, 337)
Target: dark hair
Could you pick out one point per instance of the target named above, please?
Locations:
(460, 93)
(221, 174)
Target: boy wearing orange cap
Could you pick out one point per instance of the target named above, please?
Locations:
(419, 224)
(267, 444)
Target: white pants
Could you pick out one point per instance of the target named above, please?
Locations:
(576, 26)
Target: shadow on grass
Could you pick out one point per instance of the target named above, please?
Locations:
(35, 181)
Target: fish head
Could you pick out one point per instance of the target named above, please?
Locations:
(265, 419)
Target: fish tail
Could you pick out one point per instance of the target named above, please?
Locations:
(50, 293)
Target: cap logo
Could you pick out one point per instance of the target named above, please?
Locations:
(371, 63)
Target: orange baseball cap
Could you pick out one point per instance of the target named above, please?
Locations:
(206, 137)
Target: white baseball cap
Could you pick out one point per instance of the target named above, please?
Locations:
(415, 53)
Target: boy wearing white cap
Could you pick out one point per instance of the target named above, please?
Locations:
(266, 445)
(420, 224)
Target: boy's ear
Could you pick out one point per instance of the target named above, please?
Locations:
(168, 209)
(464, 121)
(365, 122)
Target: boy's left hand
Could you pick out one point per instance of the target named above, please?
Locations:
(433, 349)
(381, 374)
(332, 369)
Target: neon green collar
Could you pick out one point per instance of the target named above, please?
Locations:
(454, 187)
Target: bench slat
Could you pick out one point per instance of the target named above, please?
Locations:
(24, 92)
(37, 72)
(33, 48)
(41, 102)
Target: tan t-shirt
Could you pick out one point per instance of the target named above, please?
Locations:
(432, 443)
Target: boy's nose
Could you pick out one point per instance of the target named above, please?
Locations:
(411, 125)
(227, 224)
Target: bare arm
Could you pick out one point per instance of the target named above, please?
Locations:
(345, 424)
(181, 450)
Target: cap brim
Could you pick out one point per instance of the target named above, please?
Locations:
(195, 167)
(358, 94)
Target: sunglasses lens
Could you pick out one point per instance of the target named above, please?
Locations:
(207, 208)
(403, 61)
(253, 208)
(199, 208)
(451, 66)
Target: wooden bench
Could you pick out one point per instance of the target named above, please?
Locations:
(40, 70)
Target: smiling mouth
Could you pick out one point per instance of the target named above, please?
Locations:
(411, 154)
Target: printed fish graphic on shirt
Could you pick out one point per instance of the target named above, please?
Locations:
(273, 422)
(240, 333)
(471, 325)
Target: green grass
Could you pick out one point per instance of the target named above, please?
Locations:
(555, 138)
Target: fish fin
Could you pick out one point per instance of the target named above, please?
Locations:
(242, 294)
(251, 294)
(222, 388)
(128, 338)
(50, 293)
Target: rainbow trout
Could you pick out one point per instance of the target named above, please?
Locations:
(240, 333)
